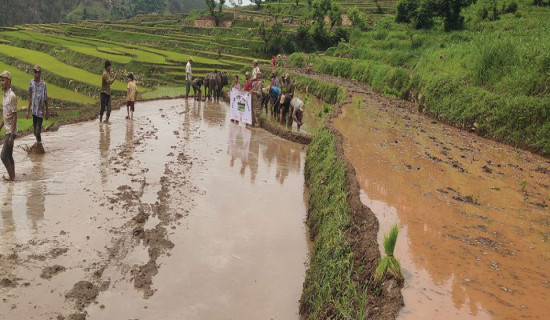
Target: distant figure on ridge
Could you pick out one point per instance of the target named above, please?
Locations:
(105, 95)
(131, 97)
(38, 103)
(9, 122)
(255, 69)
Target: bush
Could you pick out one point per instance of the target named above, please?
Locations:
(406, 10)
(304, 39)
(492, 59)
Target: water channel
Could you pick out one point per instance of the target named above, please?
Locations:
(178, 214)
(473, 214)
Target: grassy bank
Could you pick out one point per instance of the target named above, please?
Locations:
(329, 290)
(492, 77)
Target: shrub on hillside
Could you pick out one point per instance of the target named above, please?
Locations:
(304, 39)
(421, 13)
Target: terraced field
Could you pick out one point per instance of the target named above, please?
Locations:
(155, 50)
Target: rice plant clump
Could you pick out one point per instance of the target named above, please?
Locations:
(389, 265)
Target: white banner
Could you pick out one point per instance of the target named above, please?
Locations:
(241, 106)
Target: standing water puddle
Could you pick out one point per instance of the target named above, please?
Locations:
(473, 214)
(178, 214)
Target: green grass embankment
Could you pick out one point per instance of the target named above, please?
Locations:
(492, 77)
(329, 290)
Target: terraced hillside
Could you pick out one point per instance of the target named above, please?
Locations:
(72, 57)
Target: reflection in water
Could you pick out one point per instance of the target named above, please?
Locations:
(286, 155)
(36, 195)
(239, 148)
(472, 242)
(7, 229)
(130, 139)
(104, 145)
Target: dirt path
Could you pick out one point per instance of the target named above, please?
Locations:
(143, 220)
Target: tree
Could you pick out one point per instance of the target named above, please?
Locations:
(450, 11)
(258, 3)
(335, 15)
(212, 5)
(424, 11)
(272, 36)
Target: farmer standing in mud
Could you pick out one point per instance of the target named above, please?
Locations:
(289, 95)
(131, 97)
(38, 101)
(188, 77)
(105, 95)
(9, 123)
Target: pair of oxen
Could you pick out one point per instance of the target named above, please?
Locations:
(213, 84)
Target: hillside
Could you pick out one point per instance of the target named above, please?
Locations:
(27, 11)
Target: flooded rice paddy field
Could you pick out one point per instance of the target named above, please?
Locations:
(473, 214)
(178, 214)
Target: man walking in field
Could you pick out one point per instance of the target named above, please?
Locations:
(188, 77)
(105, 95)
(38, 103)
(131, 97)
(9, 122)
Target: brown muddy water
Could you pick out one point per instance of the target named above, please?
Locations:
(474, 223)
(178, 214)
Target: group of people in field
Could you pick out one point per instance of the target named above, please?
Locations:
(38, 104)
(277, 98)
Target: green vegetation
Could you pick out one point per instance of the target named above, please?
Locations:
(388, 265)
(494, 75)
(329, 288)
(328, 92)
(55, 66)
(28, 11)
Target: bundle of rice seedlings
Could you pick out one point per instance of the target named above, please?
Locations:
(389, 264)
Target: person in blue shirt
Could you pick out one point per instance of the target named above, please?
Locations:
(38, 103)
(275, 97)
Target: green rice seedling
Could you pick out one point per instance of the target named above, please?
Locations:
(389, 265)
(522, 184)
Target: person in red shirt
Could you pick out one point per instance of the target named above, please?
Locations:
(248, 83)
(273, 60)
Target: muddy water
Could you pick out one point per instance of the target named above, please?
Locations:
(179, 214)
(473, 214)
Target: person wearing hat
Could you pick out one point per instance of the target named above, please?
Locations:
(105, 95)
(9, 123)
(188, 77)
(38, 103)
(248, 82)
(274, 79)
(255, 69)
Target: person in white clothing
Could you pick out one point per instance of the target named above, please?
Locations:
(9, 122)
(255, 69)
(188, 77)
